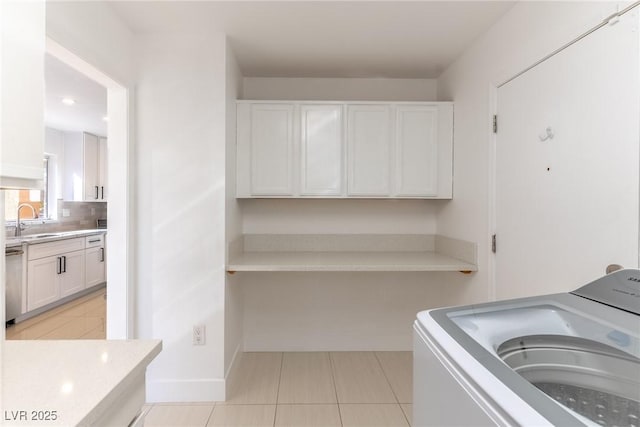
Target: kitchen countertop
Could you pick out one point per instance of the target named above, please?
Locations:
(33, 239)
(78, 379)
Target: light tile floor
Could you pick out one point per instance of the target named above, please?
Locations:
(82, 318)
(305, 389)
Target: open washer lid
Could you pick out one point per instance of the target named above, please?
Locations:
(620, 289)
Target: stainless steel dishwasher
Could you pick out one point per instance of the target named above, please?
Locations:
(14, 258)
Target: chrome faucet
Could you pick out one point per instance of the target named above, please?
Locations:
(35, 215)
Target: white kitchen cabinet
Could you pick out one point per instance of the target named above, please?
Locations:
(42, 282)
(85, 177)
(22, 49)
(369, 149)
(312, 149)
(95, 261)
(54, 270)
(416, 151)
(267, 145)
(72, 278)
(321, 150)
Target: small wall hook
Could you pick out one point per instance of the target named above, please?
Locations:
(547, 135)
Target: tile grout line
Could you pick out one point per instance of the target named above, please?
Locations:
(375, 354)
(275, 413)
(210, 415)
(335, 389)
(386, 377)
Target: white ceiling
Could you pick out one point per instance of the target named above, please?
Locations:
(91, 99)
(393, 39)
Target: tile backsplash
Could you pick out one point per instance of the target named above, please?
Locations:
(81, 217)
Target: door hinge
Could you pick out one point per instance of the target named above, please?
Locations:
(493, 244)
(495, 123)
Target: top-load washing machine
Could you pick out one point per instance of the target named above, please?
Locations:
(567, 359)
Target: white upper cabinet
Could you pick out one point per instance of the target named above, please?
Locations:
(416, 151)
(22, 49)
(321, 150)
(369, 149)
(344, 149)
(85, 166)
(268, 135)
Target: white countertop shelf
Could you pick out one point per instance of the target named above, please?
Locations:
(81, 380)
(355, 252)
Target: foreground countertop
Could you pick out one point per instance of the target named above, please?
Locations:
(78, 379)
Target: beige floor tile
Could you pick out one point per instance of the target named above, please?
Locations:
(407, 408)
(308, 416)
(398, 368)
(360, 379)
(389, 415)
(72, 320)
(178, 415)
(306, 378)
(96, 334)
(257, 379)
(243, 415)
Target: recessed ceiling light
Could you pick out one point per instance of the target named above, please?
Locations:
(68, 101)
(105, 118)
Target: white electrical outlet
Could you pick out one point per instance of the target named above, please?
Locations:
(199, 335)
(66, 212)
(93, 211)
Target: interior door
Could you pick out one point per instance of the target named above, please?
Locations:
(567, 166)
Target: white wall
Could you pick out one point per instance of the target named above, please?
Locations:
(181, 136)
(527, 33)
(54, 147)
(233, 310)
(339, 89)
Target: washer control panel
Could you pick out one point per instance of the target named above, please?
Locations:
(620, 289)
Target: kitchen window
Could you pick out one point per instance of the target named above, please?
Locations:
(38, 199)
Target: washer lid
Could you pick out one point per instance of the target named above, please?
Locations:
(620, 289)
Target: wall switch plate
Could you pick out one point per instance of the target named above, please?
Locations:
(199, 335)
(66, 212)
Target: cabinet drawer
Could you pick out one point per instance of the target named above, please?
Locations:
(94, 241)
(41, 250)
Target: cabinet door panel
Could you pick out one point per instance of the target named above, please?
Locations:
(271, 149)
(42, 282)
(416, 151)
(72, 279)
(368, 140)
(102, 168)
(95, 266)
(91, 152)
(321, 149)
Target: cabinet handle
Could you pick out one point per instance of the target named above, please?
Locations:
(64, 264)
(102, 190)
(96, 192)
(102, 254)
(59, 265)
(94, 241)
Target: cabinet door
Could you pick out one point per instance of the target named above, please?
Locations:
(90, 166)
(321, 150)
(102, 168)
(72, 278)
(368, 141)
(271, 148)
(42, 282)
(416, 153)
(95, 266)
(22, 48)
